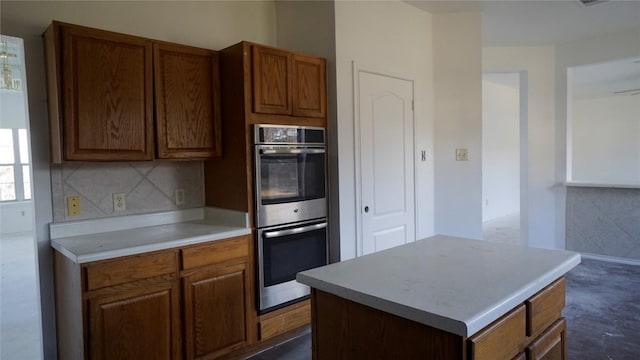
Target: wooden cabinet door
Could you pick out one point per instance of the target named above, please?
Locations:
(135, 323)
(551, 345)
(107, 87)
(214, 311)
(187, 83)
(309, 86)
(272, 81)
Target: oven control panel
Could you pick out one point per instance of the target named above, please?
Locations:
(280, 134)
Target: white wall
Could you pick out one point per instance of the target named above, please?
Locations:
(539, 210)
(500, 146)
(606, 140)
(394, 38)
(458, 123)
(206, 24)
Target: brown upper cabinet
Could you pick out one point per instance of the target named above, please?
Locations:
(287, 83)
(187, 85)
(309, 86)
(101, 97)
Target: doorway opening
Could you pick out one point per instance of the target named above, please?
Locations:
(503, 156)
(20, 320)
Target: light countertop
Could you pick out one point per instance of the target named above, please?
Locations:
(453, 284)
(601, 185)
(136, 234)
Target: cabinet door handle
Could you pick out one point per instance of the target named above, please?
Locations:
(366, 209)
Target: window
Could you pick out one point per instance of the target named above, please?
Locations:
(15, 172)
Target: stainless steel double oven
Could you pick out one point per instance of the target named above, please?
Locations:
(291, 210)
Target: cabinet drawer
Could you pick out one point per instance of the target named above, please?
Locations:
(551, 345)
(545, 307)
(215, 252)
(286, 321)
(114, 272)
(503, 339)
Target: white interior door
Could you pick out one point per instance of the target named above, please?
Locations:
(385, 108)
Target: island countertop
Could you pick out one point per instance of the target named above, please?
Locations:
(452, 284)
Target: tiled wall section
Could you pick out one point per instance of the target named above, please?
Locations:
(604, 221)
(149, 187)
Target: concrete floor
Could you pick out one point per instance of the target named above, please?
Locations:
(602, 311)
(20, 329)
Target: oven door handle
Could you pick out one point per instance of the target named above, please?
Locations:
(292, 151)
(272, 234)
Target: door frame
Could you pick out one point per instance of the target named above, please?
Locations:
(356, 70)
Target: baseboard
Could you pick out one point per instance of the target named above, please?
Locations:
(611, 259)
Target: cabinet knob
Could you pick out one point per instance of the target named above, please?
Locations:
(366, 209)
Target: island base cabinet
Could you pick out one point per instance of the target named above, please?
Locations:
(343, 329)
(135, 323)
(214, 304)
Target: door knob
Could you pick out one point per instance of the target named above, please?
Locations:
(366, 209)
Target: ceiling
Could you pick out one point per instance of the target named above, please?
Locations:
(540, 22)
(546, 22)
(613, 78)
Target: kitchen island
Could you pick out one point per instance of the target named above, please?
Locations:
(442, 298)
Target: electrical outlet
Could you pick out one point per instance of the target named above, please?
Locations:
(119, 202)
(179, 195)
(462, 155)
(73, 205)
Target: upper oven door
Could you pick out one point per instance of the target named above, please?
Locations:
(290, 184)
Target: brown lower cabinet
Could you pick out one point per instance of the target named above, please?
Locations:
(135, 321)
(192, 302)
(533, 330)
(214, 311)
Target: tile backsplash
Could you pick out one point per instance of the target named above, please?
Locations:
(148, 187)
(604, 221)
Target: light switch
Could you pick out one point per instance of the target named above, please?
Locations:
(462, 155)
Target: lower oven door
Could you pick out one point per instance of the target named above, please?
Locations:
(282, 253)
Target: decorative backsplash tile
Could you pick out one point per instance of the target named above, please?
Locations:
(604, 221)
(148, 187)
